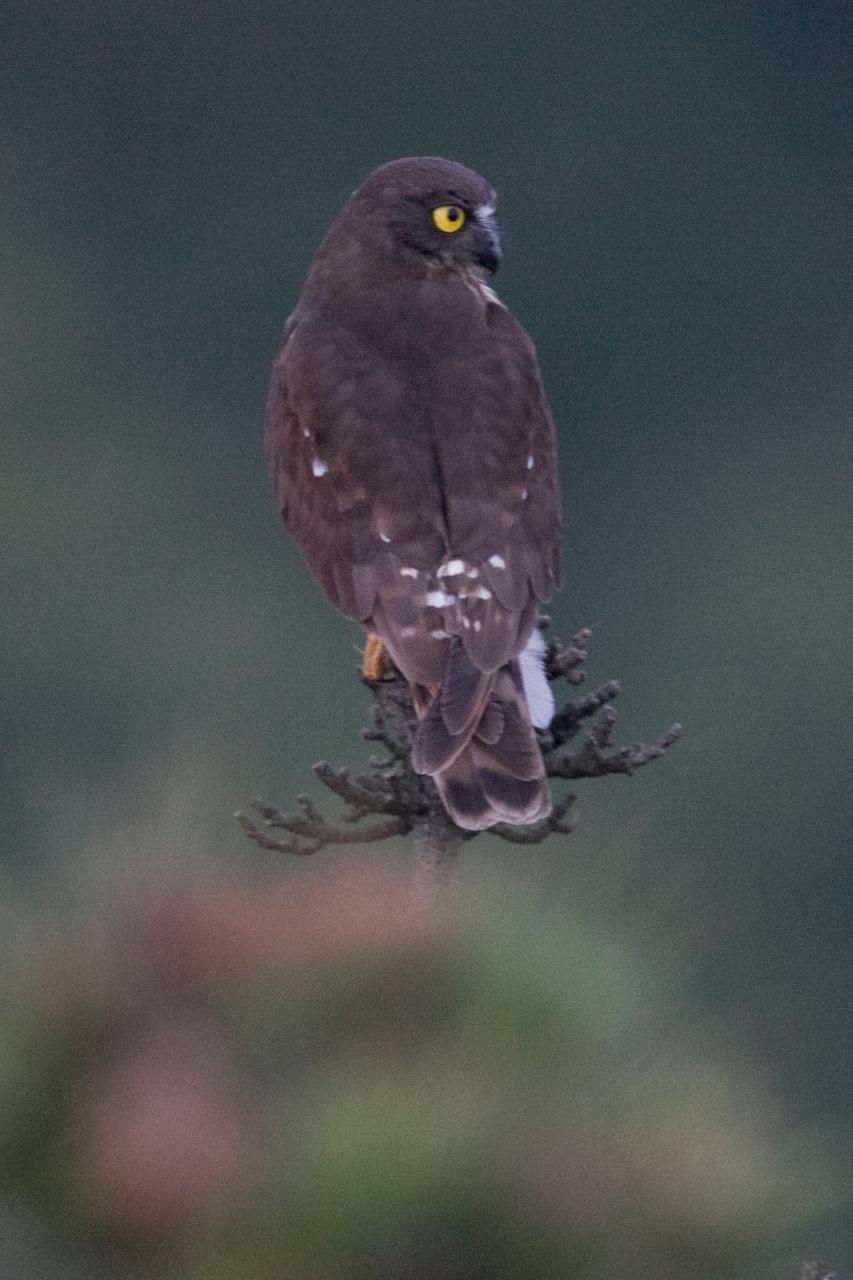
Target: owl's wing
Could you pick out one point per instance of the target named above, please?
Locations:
(358, 495)
(427, 509)
(501, 485)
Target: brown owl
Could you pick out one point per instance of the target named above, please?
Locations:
(412, 449)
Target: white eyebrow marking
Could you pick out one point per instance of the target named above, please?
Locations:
(484, 211)
(439, 634)
(452, 566)
(497, 562)
(408, 572)
(384, 536)
(319, 467)
(438, 599)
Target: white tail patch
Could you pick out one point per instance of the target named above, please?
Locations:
(537, 687)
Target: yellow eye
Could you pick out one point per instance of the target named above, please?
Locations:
(449, 217)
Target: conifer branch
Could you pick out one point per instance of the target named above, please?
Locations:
(406, 801)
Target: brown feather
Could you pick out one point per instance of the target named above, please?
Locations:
(492, 722)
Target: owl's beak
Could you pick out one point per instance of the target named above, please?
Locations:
(487, 243)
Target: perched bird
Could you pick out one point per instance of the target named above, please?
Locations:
(412, 450)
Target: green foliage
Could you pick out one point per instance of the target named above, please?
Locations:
(309, 1077)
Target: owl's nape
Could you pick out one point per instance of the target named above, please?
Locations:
(413, 453)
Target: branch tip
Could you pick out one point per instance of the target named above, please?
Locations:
(403, 801)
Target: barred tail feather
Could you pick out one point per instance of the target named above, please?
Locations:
(492, 770)
(477, 795)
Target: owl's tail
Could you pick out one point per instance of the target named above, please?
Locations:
(476, 739)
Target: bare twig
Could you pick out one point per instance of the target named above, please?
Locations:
(438, 842)
(311, 833)
(567, 720)
(595, 758)
(407, 802)
(565, 660)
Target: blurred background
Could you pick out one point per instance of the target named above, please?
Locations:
(630, 1044)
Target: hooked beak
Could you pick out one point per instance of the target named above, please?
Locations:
(487, 241)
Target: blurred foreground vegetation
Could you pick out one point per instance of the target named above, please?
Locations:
(304, 1076)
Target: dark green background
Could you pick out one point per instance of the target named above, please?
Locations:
(675, 184)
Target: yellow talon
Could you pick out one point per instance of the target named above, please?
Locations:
(375, 664)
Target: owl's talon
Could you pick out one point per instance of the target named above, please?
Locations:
(375, 665)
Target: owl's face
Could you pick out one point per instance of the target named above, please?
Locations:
(449, 225)
(438, 209)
